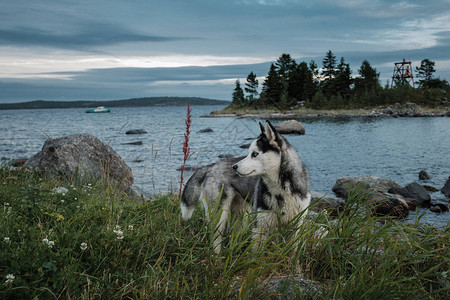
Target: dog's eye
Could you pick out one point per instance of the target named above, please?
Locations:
(254, 154)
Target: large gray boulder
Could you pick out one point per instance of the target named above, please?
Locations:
(81, 155)
(290, 127)
(362, 183)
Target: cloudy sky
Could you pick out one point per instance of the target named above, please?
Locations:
(111, 49)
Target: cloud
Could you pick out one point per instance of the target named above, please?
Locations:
(86, 37)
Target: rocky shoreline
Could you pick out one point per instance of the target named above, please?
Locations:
(411, 110)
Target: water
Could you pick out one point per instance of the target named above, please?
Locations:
(395, 149)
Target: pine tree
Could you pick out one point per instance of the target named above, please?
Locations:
(368, 82)
(238, 95)
(328, 73)
(425, 72)
(272, 87)
(343, 80)
(251, 87)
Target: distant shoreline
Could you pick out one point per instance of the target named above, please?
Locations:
(134, 102)
(318, 114)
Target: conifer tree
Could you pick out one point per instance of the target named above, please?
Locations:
(368, 82)
(238, 95)
(272, 87)
(251, 87)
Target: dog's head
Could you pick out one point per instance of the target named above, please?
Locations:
(264, 156)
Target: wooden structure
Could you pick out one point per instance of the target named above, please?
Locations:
(403, 73)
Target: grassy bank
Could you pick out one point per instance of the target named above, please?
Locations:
(92, 242)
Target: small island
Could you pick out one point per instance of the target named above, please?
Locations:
(293, 89)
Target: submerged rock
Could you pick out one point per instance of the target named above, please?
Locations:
(136, 131)
(206, 130)
(81, 155)
(423, 175)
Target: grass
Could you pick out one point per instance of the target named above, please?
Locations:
(106, 245)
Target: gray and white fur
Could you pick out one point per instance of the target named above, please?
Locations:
(271, 180)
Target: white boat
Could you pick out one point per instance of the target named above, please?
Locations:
(100, 109)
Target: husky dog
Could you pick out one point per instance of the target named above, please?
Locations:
(271, 180)
(282, 190)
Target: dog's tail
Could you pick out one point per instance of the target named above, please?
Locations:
(191, 193)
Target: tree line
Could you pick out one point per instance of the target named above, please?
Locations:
(289, 83)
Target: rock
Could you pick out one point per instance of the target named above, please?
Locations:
(290, 127)
(446, 189)
(398, 190)
(412, 203)
(81, 155)
(18, 162)
(419, 193)
(436, 209)
(326, 202)
(392, 205)
(430, 188)
(363, 183)
(137, 193)
(442, 207)
(388, 111)
(133, 143)
(245, 146)
(423, 175)
(206, 130)
(136, 131)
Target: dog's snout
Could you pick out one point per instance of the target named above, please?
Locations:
(235, 167)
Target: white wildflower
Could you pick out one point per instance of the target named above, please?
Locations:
(62, 201)
(130, 227)
(7, 240)
(45, 241)
(120, 235)
(83, 246)
(6, 204)
(51, 244)
(60, 190)
(9, 278)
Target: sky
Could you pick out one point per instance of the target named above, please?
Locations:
(111, 49)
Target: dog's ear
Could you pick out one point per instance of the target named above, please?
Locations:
(274, 137)
(261, 126)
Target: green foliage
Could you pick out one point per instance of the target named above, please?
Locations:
(287, 83)
(238, 98)
(93, 242)
(251, 87)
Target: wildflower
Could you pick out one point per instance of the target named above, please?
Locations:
(118, 232)
(45, 241)
(60, 190)
(7, 240)
(130, 227)
(120, 235)
(9, 278)
(6, 204)
(62, 201)
(51, 244)
(83, 246)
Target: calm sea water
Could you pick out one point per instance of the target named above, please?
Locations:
(396, 149)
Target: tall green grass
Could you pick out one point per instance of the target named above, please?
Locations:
(141, 249)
